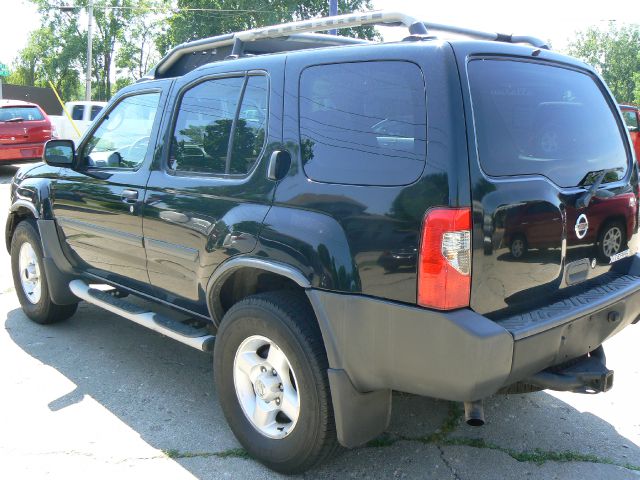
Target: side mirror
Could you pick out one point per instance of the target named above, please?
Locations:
(59, 153)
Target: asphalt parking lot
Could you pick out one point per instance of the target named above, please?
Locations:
(100, 397)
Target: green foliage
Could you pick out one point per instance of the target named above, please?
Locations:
(194, 19)
(130, 35)
(54, 52)
(123, 36)
(615, 53)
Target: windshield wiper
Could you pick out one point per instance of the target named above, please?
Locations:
(584, 200)
(15, 119)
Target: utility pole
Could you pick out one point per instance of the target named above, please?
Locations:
(89, 50)
(333, 11)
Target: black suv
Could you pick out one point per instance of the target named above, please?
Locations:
(342, 219)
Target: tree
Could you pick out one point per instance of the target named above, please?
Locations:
(137, 52)
(615, 53)
(194, 19)
(48, 57)
(124, 37)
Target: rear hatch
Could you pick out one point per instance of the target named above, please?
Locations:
(23, 124)
(554, 189)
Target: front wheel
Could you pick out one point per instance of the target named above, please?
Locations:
(270, 368)
(29, 277)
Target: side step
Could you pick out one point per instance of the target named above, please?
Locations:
(194, 337)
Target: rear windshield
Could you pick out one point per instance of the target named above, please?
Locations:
(15, 113)
(538, 119)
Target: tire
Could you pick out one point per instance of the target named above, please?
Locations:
(611, 240)
(286, 320)
(32, 287)
(518, 247)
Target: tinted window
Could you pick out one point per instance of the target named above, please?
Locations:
(95, 110)
(122, 138)
(201, 134)
(77, 113)
(538, 119)
(363, 123)
(250, 129)
(630, 118)
(25, 113)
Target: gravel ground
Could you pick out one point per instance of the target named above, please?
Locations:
(100, 397)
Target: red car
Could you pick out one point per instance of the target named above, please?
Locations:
(24, 129)
(608, 226)
(631, 116)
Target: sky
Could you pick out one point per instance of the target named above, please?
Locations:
(553, 20)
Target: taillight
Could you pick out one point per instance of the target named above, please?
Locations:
(444, 266)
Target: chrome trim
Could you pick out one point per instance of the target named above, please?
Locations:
(110, 233)
(172, 249)
(81, 289)
(582, 226)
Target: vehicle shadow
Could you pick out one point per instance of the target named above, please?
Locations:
(164, 391)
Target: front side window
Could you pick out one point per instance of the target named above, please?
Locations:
(217, 132)
(122, 138)
(363, 123)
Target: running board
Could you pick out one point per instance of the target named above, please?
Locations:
(194, 337)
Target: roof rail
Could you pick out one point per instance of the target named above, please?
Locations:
(358, 19)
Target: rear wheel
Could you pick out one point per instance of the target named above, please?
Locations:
(611, 240)
(270, 368)
(29, 277)
(518, 246)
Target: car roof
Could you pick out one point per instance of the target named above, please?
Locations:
(87, 102)
(16, 103)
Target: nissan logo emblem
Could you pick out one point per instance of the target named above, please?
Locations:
(260, 388)
(582, 225)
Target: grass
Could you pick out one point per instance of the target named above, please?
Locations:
(441, 437)
(231, 453)
(538, 456)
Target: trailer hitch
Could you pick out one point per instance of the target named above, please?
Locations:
(587, 375)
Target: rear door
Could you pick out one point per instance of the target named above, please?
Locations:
(545, 135)
(209, 193)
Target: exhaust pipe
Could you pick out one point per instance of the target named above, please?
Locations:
(474, 413)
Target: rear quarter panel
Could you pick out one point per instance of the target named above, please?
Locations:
(340, 236)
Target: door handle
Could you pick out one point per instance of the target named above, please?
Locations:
(279, 164)
(129, 196)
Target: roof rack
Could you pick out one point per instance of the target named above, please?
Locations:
(236, 43)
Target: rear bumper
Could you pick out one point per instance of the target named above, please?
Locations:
(461, 355)
(25, 151)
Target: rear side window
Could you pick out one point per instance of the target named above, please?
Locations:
(78, 112)
(8, 114)
(363, 123)
(209, 115)
(539, 119)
